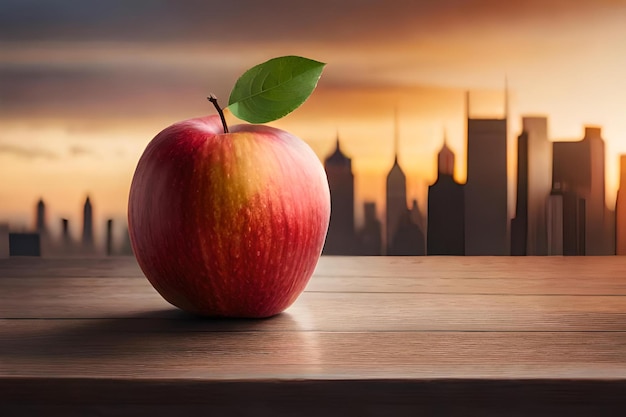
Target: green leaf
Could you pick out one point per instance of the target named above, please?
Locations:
(274, 88)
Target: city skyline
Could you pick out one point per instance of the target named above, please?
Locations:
(560, 199)
(85, 240)
(571, 171)
(22, 221)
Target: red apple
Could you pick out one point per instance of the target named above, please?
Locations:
(228, 224)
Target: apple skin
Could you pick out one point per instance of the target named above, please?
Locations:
(228, 224)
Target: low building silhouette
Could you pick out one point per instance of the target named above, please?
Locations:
(408, 240)
(578, 166)
(24, 244)
(127, 247)
(4, 240)
(419, 219)
(620, 210)
(370, 235)
(67, 245)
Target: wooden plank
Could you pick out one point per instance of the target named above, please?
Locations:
(163, 349)
(483, 267)
(533, 285)
(359, 311)
(20, 267)
(575, 285)
(337, 266)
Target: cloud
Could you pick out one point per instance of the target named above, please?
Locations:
(77, 150)
(96, 92)
(27, 153)
(269, 20)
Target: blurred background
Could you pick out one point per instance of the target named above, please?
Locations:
(84, 86)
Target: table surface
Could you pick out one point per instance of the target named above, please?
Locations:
(540, 335)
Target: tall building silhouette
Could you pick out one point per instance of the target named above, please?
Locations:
(529, 231)
(519, 224)
(486, 203)
(579, 168)
(67, 245)
(87, 240)
(341, 237)
(396, 205)
(40, 217)
(109, 237)
(370, 235)
(446, 209)
(620, 210)
(539, 183)
(565, 212)
(403, 235)
(42, 228)
(554, 221)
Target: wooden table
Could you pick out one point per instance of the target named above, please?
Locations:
(370, 336)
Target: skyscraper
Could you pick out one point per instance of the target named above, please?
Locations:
(42, 229)
(579, 168)
(539, 183)
(88, 242)
(341, 237)
(67, 245)
(620, 210)
(554, 220)
(40, 219)
(446, 209)
(529, 231)
(396, 205)
(403, 235)
(565, 214)
(109, 237)
(486, 204)
(519, 224)
(395, 202)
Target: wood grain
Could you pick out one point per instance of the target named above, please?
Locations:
(370, 336)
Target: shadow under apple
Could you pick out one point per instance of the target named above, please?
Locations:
(165, 342)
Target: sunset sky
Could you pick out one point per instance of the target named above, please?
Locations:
(84, 86)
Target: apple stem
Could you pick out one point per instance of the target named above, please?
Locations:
(213, 100)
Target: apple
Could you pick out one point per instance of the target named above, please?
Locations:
(228, 222)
